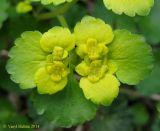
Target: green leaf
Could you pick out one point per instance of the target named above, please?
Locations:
(66, 108)
(113, 118)
(26, 57)
(3, 8)
(132, 56)
(41, 121)
(151, 84)
(6, 83)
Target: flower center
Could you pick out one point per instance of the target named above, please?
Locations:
(57, 70)
(59, 53)
(56, 66)
(96, 70)
(95, 50)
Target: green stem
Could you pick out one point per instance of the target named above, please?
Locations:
(62, 20)
(59, 11)
(133, 93)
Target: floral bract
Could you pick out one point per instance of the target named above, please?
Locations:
(55, 2)
(107, 54)
(41, 60)
(130, 7)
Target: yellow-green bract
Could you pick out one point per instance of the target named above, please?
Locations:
(23, 7)
(130, 7)
(107, 58)
(55, 2)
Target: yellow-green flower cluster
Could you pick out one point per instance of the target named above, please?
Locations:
(98, 81)
(45, 57)
(107, 57)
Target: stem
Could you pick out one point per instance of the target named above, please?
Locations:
(62, 20)
(133, 93)
(59, 11)
(4, 53)
(79, 128)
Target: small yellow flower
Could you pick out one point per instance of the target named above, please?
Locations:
(53, 77)
(98, 81)
(24, 7)
(92, 41)
(94, 70)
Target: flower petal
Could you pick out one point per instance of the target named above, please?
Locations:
(81, 50)
(46, 85)
(82, 69)
(90, 27)
(57, 36)
(101, 92)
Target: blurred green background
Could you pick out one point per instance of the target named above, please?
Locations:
(137, 108)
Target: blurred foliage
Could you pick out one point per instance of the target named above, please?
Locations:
(9, 116)
(156, 125)
(112, 118)
(141, 113)
(4, 5)
(121, 116)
